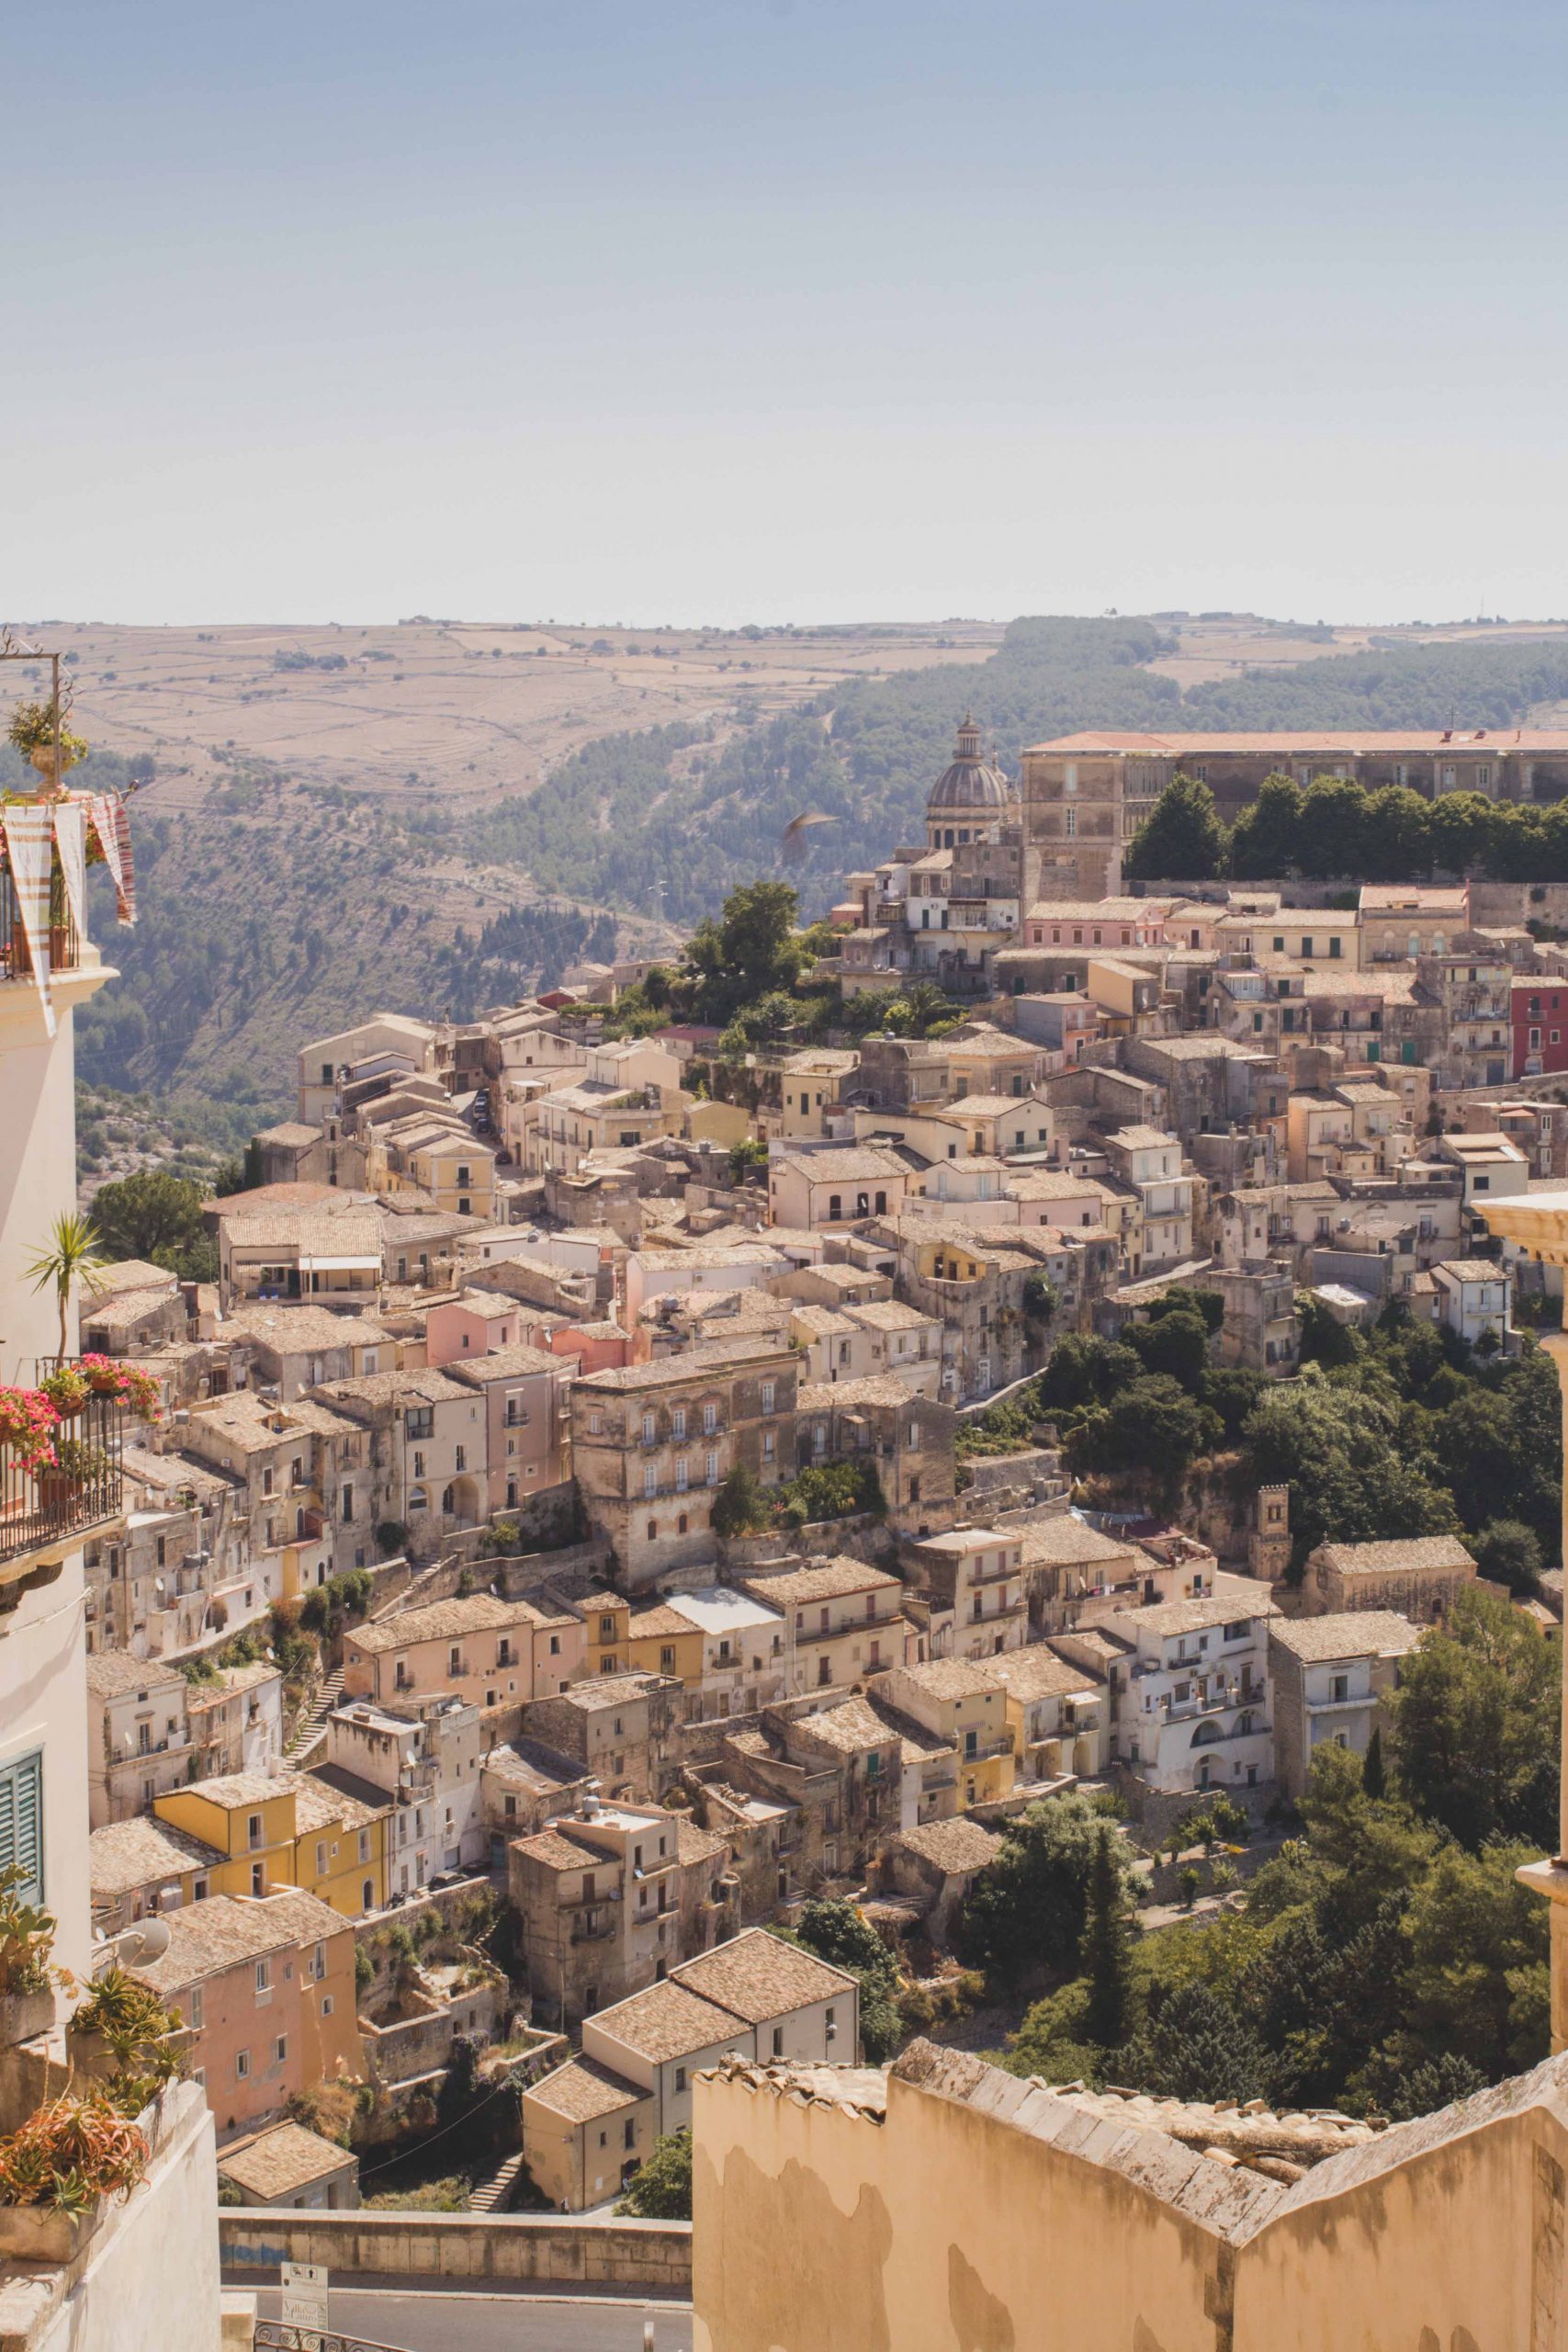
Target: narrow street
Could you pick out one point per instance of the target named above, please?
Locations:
(436, 2321)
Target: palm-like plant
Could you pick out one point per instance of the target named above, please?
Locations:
(74, 1254)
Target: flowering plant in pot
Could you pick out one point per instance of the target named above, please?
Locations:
(101, 1376)
(141, 1392)
(28, 1423)
(67, 1388)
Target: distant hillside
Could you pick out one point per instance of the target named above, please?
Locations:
(642, 821)
(277, 905)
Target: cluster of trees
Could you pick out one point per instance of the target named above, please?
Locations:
(1388, 1959)
(158, 1217)
(1335, 826)
(1403, 1431)
(743, 1506)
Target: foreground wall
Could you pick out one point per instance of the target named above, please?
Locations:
(984, 2215)
(654, 2255)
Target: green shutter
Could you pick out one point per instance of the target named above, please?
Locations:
(21, 1823)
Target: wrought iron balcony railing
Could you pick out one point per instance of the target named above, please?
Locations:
(38, 1505)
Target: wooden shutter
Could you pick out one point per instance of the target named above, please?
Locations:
(21, 1823)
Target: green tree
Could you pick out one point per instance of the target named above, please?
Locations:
(1333, 826)
(1152, 1426)
(1374, 1773)
(1265, 839)
(1181, 838)
(1508, 1551)
(750, 953)
(840, 1934)
(1478, 1985)
(158, 1217)
(1476, 1725)
(1194, 2046)
(739, 1506)
(1025, 1914)
(1337, 1448)
(73, 1256)
(1105, 1953)
(661, 2188)
(1177, 1344)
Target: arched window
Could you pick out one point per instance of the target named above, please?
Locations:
(418, 1498)
(1205, 1736)
(653, 1531)
(448, 1501)
(681, 1524)
(835, 1207)
(1242, 1724)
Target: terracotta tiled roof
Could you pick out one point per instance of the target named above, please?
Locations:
(285, 2158)
(760, 1976)
(582, 2090)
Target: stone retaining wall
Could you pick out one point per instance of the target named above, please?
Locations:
(653, 2255)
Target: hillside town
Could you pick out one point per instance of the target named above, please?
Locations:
(628, 1505)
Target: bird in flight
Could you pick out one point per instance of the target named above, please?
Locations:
(793, 841)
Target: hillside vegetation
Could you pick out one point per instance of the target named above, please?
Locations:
(278, 904)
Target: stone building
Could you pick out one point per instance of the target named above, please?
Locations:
(908, 1437)
(653, 1443)
(1419, 1576)
(611, 1899)
(1329, 1676)
(620, 1727)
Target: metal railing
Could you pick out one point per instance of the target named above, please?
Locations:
(85, 1487)
(65, 946)
(280, 2336)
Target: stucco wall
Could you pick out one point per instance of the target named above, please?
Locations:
(993, 2217)
(151, 2274)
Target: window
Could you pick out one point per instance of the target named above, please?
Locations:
(460, 1457)
(1071, 826)
(367, 1896)
(263, 1976)
(281, 2049)
(242, 2065)
(647, 1429)
(778, 2041)
(680, 2080)
(258, 1879)
(365, 1845)
(768, 1393)
(710, 1419)
(712, 1469)
(253, 1829)
(651, 1479)
(194, 2012)
(321, 1857)
(327, 2005)
(678, 1421)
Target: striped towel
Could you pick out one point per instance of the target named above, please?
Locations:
(104, 809)
(71, 840)
(29, 849)
(125, 893)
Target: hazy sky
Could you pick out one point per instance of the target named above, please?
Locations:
(820, 309)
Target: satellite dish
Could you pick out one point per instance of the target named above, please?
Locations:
(154, 1941)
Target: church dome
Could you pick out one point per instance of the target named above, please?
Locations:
(971, 782)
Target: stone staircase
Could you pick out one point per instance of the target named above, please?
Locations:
(492, 2195)
(310, 1733)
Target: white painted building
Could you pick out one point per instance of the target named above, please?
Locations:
(1193, 1706)
(426, 1756)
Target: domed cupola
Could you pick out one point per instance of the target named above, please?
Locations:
(970, 791)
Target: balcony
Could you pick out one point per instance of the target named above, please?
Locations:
(50, 1506)
(64, 943)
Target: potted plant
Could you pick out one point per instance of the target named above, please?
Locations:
(27, 1979)
(74, 1254)
(28, 1423)
(32, 731)
(141, 1392)
(59, 2172)
(103, 1376)
(67, 1388)
(122, 2036)
(77, 1465)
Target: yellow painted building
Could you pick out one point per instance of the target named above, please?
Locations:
(646, 1641)
(303, 1829)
